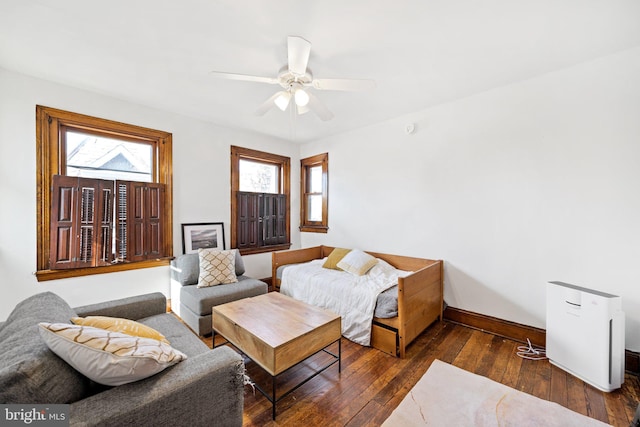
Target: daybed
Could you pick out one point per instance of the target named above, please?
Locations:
(206, 388)
(420, 295)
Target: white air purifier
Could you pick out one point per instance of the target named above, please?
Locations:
(585, 334)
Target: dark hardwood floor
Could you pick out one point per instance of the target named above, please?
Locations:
(372, 383)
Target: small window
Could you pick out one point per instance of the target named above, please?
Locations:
(314, 193)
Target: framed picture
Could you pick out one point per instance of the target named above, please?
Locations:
(202, 235)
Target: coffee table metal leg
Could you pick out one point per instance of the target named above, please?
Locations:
(273, 398)
(273, 402)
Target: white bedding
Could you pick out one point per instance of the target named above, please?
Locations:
(352, 297)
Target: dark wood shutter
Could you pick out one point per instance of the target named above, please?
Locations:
(154, 221)
(248, 206)
(104, 250)
(63, 242)
(81, 222)
(273, 221)
(281, 218)
(261, 219)
(140, 220)
(121, 213)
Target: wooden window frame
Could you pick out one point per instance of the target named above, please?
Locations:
(51, 160)
(284, 185)
(305, 166)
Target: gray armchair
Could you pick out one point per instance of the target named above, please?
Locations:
(194, 304)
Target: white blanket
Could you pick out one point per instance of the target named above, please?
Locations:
(352, 297)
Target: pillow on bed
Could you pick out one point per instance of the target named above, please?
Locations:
(357, 262)
(334, 258)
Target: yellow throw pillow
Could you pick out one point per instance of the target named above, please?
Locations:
(125, 326)
(107, 357)
(334, 258)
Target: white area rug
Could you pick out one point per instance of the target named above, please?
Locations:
(450, 396)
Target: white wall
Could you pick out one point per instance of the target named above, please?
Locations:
(201, 171)
(512, 188)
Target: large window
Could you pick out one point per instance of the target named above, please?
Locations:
(104, 195)
(260, 200)
(314, 193)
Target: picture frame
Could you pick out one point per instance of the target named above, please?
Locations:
(202, 235)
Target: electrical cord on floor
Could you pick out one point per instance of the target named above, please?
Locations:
(530, 352)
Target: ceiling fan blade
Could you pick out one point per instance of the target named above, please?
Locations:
(267, 105)
(298, 54)
(244, 77)
(351, 85)
(319, 108)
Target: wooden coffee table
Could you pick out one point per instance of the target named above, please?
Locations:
(277, 332)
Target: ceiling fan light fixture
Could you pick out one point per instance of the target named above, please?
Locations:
(282, 100)
(301, 97)
(302, 109)
(294, 77)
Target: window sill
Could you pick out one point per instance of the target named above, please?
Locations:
(44, 275)
(264, 249)
(314, 228)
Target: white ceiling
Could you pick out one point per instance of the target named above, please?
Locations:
(420, 52)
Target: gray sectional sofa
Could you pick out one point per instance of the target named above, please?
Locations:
(205, 389)
(194, 304)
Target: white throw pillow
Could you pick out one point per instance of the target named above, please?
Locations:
(216, 267)
(106, 357)
(357, 262)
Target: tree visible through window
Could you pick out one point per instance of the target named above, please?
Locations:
(104, 195)
(259, 177)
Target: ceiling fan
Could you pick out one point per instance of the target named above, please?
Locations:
(295, 79)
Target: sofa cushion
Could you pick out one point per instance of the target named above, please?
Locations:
(29, 371)
(180, 336)
(200, 300)
(185, 269)
(107, 357)
(118, 324)
(216, 267)
(240, 270)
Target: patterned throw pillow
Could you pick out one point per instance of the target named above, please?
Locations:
(125, 326)
(106, 357)
(357, 262)
(216, 267)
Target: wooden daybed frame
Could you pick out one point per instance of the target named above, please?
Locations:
(420, 296)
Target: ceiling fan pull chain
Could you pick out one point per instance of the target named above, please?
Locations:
(292, 120)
